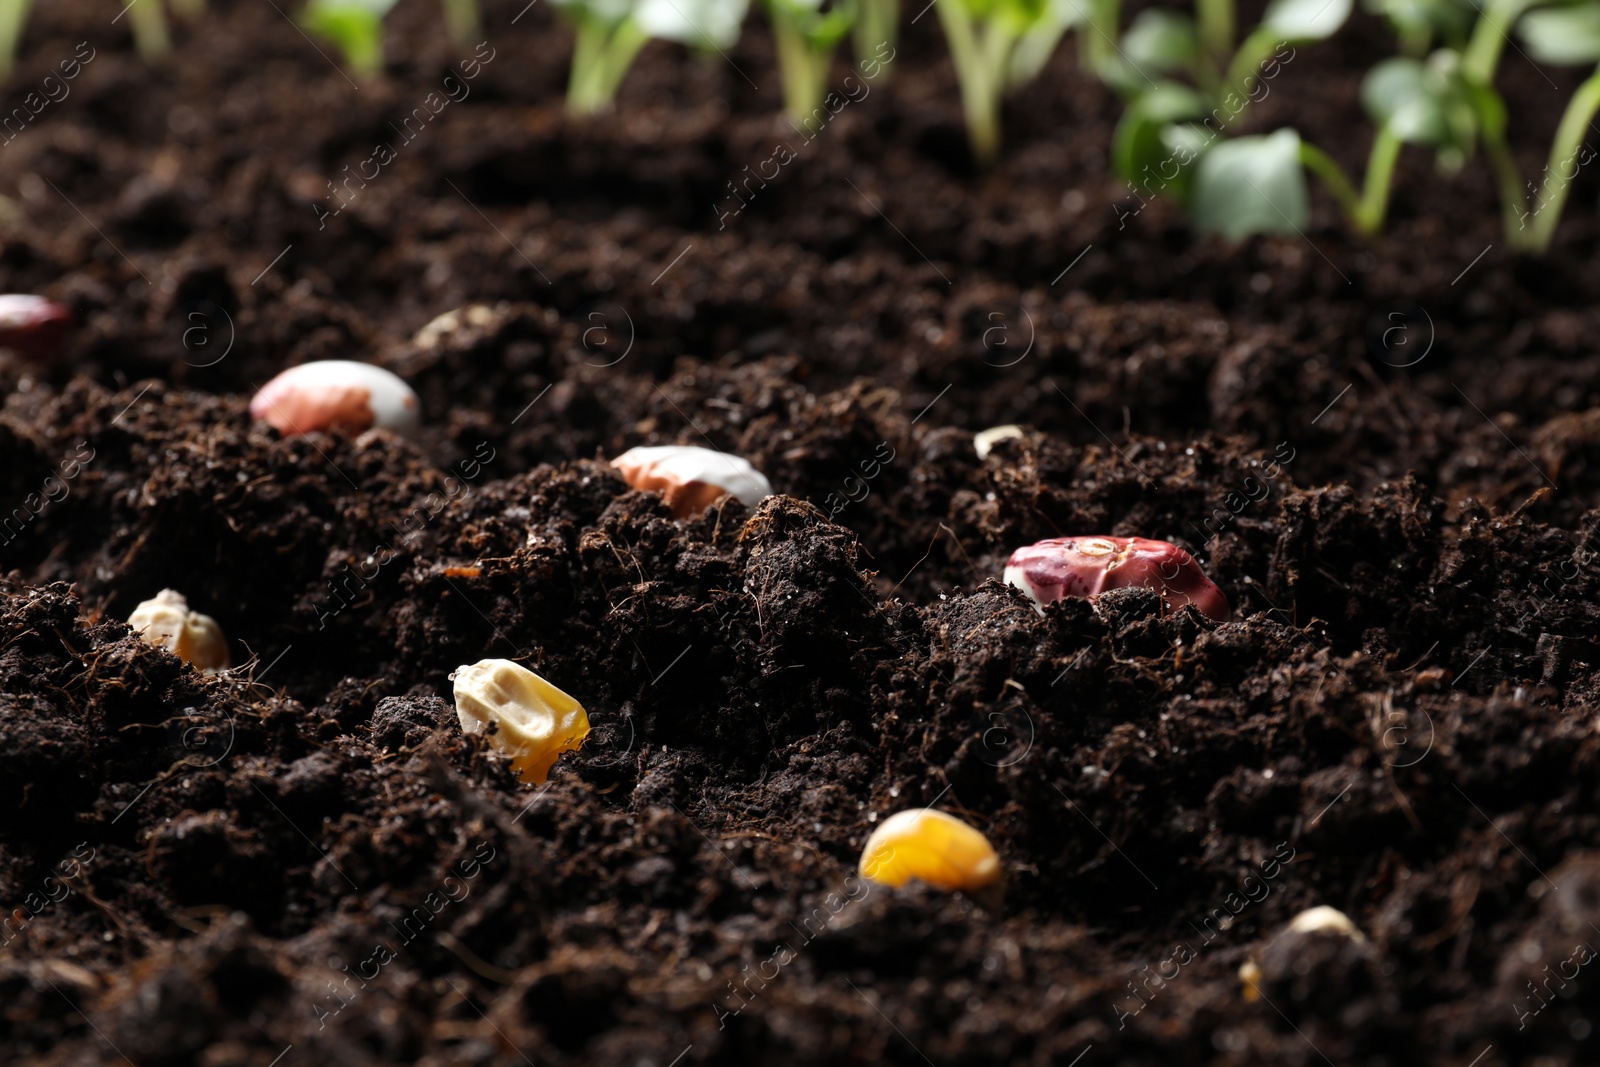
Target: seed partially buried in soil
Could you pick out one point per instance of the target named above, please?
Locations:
(691, 478)
(1060, 567)
(926, 845)
(984, 441)
(534, 721)
(34, 328)
(165, 620)
(1320, 951)
(336, 395)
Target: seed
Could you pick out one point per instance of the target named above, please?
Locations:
(1088, 566)
(34, 328)
(1290, 952)
(165, 620)
(930, 846)
(1324, 920)
(534, 721)
(983, 443)
(692, 478)
(336, 394)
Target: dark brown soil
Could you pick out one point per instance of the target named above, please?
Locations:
(306, 862)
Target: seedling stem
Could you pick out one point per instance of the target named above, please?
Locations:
(877, 24)
(600, 62)
(980, 54)
(13, 17)
(1482, 55)
(1366, 209)
(461, 19)
(1563, 150)
(149, 25)
(1216, 27)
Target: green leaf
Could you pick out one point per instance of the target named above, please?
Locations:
(1563, 35)
(1424, 103)
(1448, 18)
(1400, 87)
(1145, 148)
(1305, 20)
(1252, 185)
(1162, 41)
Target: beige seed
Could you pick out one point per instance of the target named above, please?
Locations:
(534, 721)
(165, 620)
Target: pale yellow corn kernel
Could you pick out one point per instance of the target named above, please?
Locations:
(931, 847)
(1250, 975)
(534, 721)
(165, 620)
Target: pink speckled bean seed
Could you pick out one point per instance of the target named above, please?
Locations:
(1088, 566)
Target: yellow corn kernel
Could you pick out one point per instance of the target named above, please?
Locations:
(1250, 975)
(534, 721)
(932, 847)
(165, 620)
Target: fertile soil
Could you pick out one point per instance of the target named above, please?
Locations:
(305, 861)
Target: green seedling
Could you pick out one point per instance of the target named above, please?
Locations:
(608, 39)
(610, 34)
(877, 24)
(1419, 23)
(807, 33)
(1292, 22)
(1162, 42)
(13, 17)
(1035, 47)
(1481, 58)
(1257, 184)
(1284, 21)
(148, 22)
(463, 21)
(1565, 36)
(1095, 22)
(984, 36)
(356, 26)
(1170, 128)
